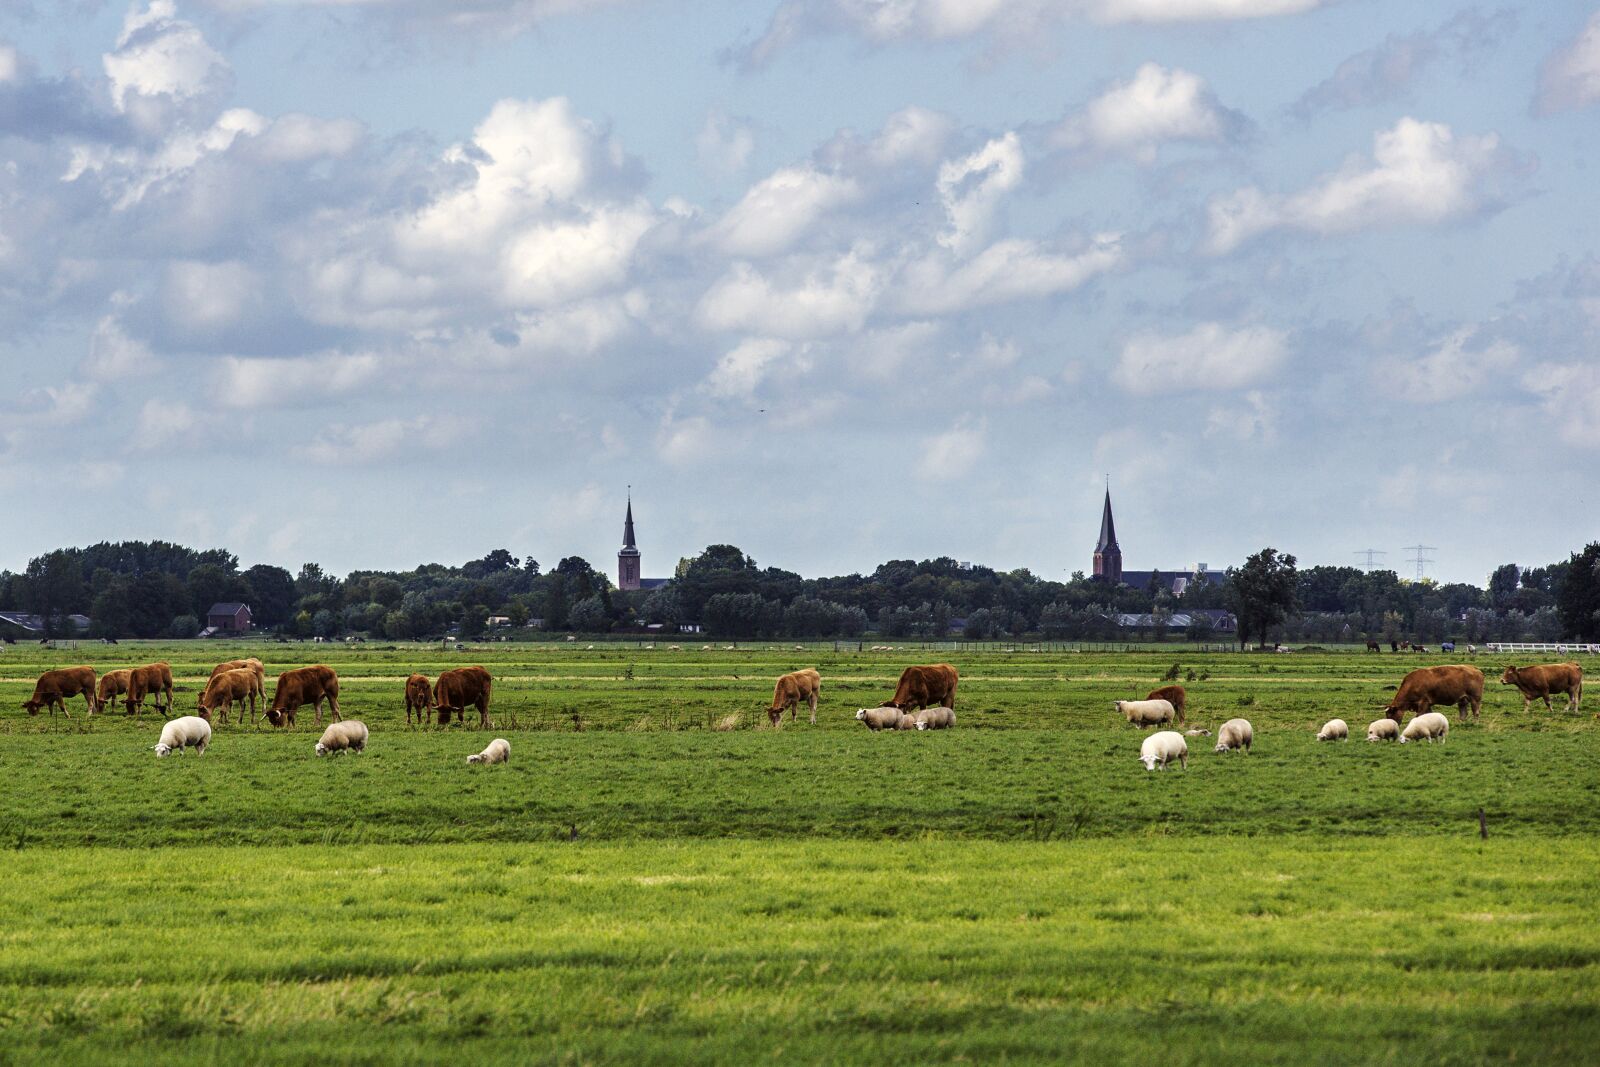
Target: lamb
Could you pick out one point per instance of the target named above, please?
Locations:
(1235, 733)
(1146, 712)
(1426, 727)
(1383, 730)
(907, 722)
(935, 718)
(1197, 731)
(190, 731)
(1162, 748)
(347, 734)
(1334, 730)
(881, 718)
(497, 751)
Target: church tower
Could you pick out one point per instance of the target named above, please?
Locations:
(628, 558)
(1107, 553)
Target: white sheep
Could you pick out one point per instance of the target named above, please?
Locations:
(1162, 748)
(497, 751)
(1426, 728)
(1383, 730)
(880, 718)
(1236, 733)
(1146, 712)
(351, 735)
(1197, 731)
(906, 722)
(190, 731)
(1334, 730)
(937, 718)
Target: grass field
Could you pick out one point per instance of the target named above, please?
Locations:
(660, 877)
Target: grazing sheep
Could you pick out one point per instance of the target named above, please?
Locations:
(907, 722)
(190, 731)
(1383, 730)
(1334, 730)
(1146, 712)
(497, 751)
(1235, 733)
(1426, 728)
(1175, 694)
(881, 718)
(1162, 748)
(1198, 731)
(935, 719)
(349, 734)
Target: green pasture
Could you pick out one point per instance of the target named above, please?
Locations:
(658, 876)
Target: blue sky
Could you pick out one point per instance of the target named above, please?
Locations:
(376, 283)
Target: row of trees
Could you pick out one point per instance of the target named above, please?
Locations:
(152, 589)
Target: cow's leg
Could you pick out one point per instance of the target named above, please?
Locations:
(813, 703)
(1547, 706)
(333, 707)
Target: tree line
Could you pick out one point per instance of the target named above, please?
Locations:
(157, 589)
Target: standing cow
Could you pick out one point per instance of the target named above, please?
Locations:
(929, 686)
(1427, 686)
(151, 680)
(456, 690)
(301, 686)
(53, 688)
(419, 698)
(1541, 680)
(223, 689)
(112, 685)
(1173, 694)
(793, 689)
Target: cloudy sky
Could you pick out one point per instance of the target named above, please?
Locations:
(377, 282)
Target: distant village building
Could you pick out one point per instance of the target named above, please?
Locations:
(34, 624)
(628, 559)
(227, 618)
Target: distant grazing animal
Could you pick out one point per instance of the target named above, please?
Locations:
(1426, 686)
(1394, 646)
(882, 718)
(1447, 646)
(1236, 733)
(940, 718)
(456, 690)
(1161, 748)
(1544, 679)
(112, 685)
(187, 731)
(347, 735)
(419, 698)
(223, 689)
(53, 688)
(152, 680)
(1334, 730)
(1145, 712)
(1426, 728)
(1372, 646)
(1383, 730)
(497, 751)
(924, 687)
(792, 689)
(1174, 695)
(301, 686)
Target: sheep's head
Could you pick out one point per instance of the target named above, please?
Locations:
(322, 749)
(163, 749)
(921, 725)
(861, 715)
(1149, 761)
(1222, 746)
(1404, 739)
(476, 757)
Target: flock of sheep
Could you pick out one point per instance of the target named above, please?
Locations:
(346, 735)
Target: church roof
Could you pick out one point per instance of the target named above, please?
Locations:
(628, 545)
(1108, 528)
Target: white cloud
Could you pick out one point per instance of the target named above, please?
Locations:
(911, 135)
(1005, 271)
(113, 355)
(1457, 366)
(1253, 420)
(1571, 396)
(972, 187)
(724, 144)
(1136, 117)
(682, 442)
(952, 454)
(780, 209)
(1209, 357)
(739, 372)
(1570, 78)
(375, 442)
(296, 138)
(301, 381)
(1196, 10)
(1420, 174)
(162, 423)
(206, 297)
(159, 54)
(835, 299)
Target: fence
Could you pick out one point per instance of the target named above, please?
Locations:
(1560, 648)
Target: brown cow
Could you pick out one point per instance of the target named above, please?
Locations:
(1543, 679)
(53, 687)
(793, 688)
(456, 689)
(301, 686)
(1426, 686)
(924, 687)
(223, 689)
(151, 680)
(112, 685)
(1173, 694)
(419, 698)
(252, 664)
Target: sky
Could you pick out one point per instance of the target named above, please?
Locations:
(374, 283)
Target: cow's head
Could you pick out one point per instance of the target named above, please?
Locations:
(1509, 677)
(204, 712)
(275, 716)
(775, 715)
(31, 706)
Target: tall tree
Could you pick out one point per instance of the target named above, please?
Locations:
(1261, 594)
(1578, 595)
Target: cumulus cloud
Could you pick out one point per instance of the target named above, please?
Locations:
(163, 423)
(1420, 173)
(1570, 393)
(429, 18)
(724, 144)
(1570, 78)
(1137, 116)
(739, 372)
(1008, 270)
(952, 454)
(159, 55)
(386, 439)
(300, 381)
(1211, 356)
(779, 210)
(834, 298)
(113, 355)
(971, 188)
(1455, 366)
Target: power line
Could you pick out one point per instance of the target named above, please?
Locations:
(1420, 559)
(1371, 554)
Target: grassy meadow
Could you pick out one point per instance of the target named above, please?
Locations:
(659, 876)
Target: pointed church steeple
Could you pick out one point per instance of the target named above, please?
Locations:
(1107, 553)
(628, 557)
(627, 526)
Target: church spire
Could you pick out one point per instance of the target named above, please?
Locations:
(1107, 553)
(627, 526)
(1108, 527)
(628, 557)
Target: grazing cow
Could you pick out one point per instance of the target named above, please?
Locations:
(301, 686)
(1174, 695)
(457, 689)
(793, 689)
(925, 687)
(1544, 679)
(112, 685)
(1426, 686)
(252, 664)
(53, 688)
(1372, 646)
(419, 698)
(223, 689)
(151, 680)
(1394, 646)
